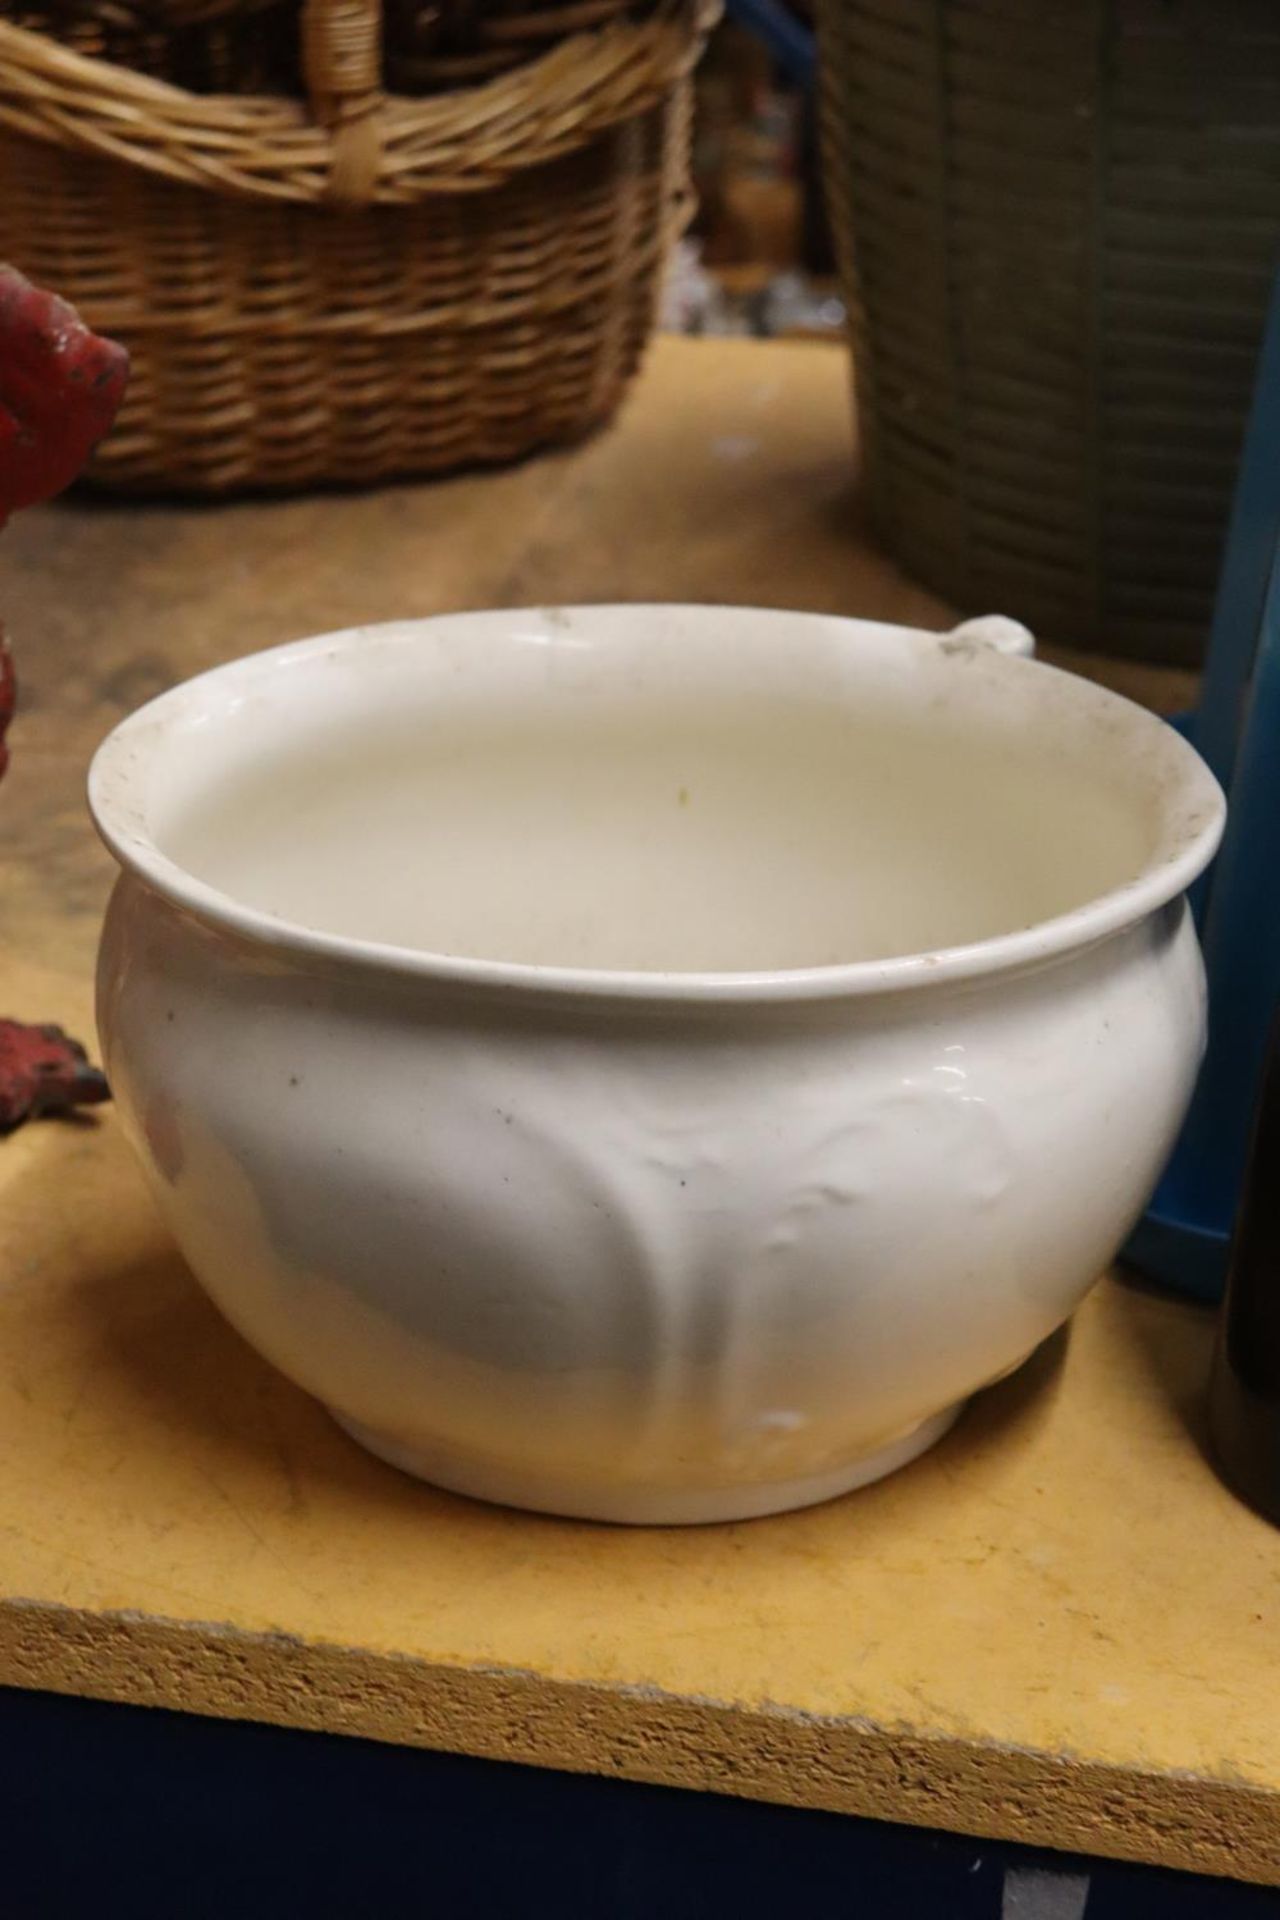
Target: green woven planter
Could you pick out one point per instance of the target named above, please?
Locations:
(1057, 223)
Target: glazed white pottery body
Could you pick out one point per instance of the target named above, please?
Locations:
(613, 1107)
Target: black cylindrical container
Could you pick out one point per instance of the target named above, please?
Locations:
(1244, 1410)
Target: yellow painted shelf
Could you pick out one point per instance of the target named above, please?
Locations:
(1058, 1627)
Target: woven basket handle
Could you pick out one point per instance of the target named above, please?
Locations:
(354, 143)
(342, 70)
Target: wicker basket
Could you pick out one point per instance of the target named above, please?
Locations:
(1057, 226)
(364, 284)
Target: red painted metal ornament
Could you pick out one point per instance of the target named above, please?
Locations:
(43, 1071)
(60, 387)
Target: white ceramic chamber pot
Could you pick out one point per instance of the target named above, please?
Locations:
(650, 1063)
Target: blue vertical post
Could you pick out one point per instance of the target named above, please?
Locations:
(1251, 542)
(1184, 1237)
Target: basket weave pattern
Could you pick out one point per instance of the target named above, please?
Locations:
(356, 284)
(1057, 226)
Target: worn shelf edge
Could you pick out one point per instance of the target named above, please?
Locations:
(773, 1753)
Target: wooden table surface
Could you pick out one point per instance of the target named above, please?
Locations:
(1057, 1627)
